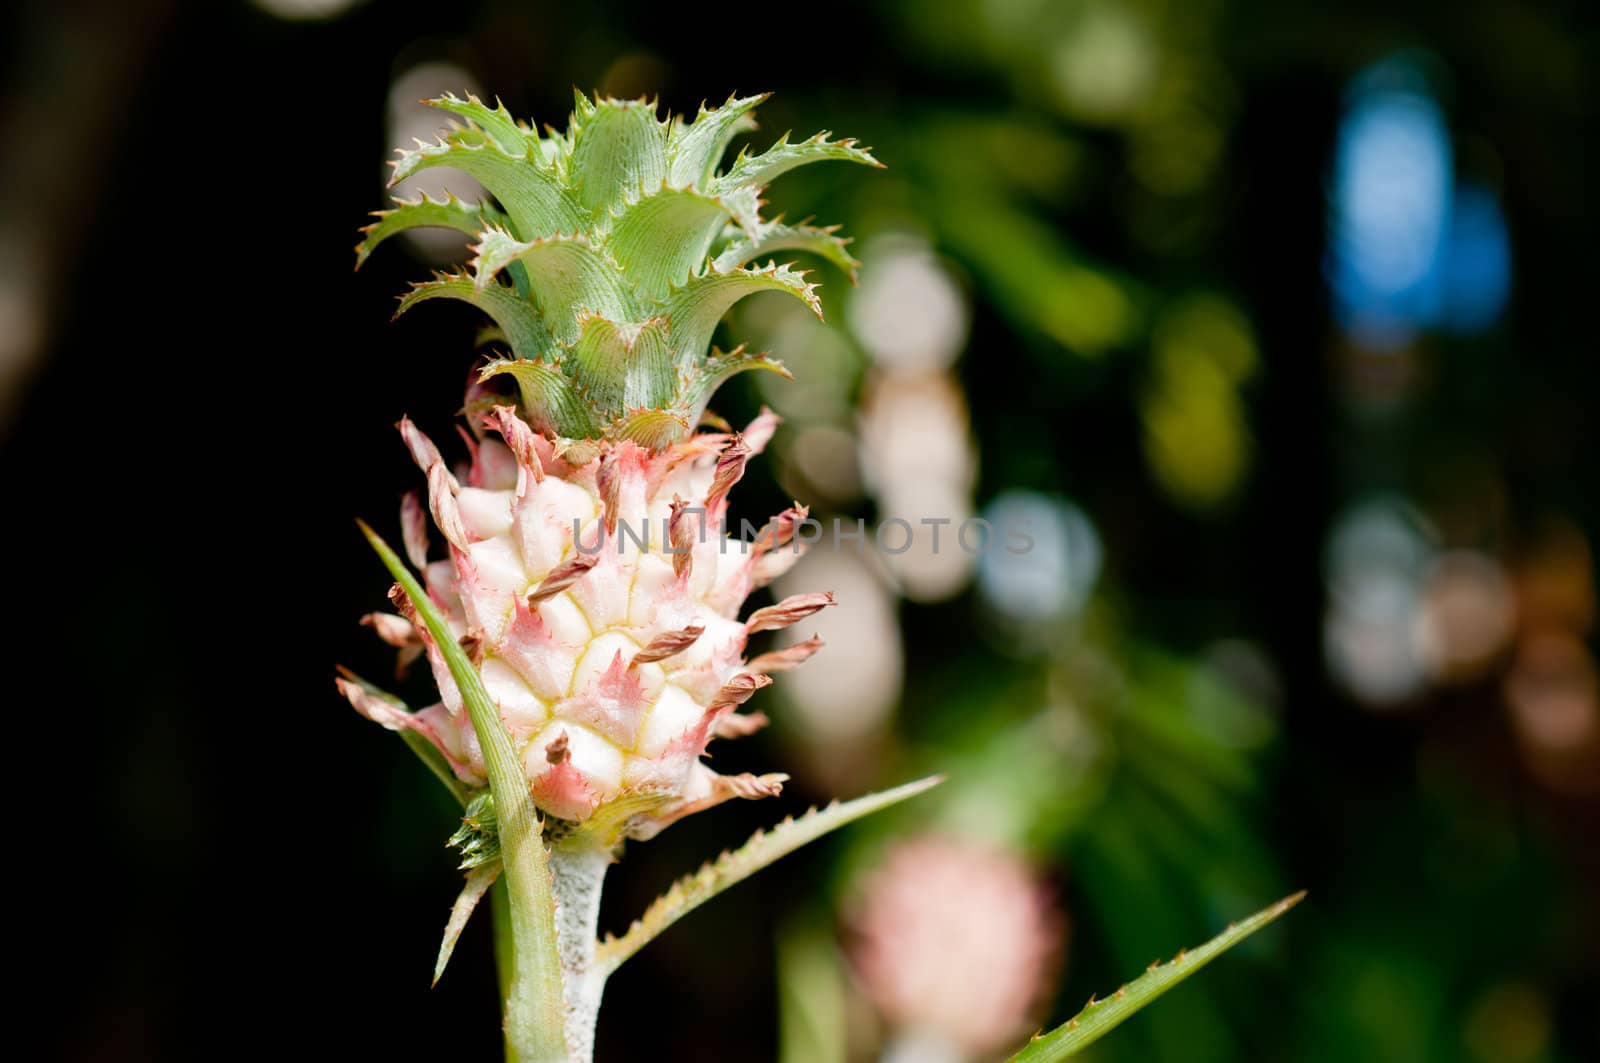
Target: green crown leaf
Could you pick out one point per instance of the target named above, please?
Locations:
(608, 254)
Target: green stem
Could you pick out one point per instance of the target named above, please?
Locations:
(505, 949)
(534, 1002)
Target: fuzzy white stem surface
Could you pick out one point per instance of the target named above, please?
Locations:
(578, 872)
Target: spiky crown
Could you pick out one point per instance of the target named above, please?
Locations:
(611, 252)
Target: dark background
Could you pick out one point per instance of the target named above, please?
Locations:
(217, 859)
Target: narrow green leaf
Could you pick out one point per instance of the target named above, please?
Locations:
(619, 150)
(479, 879)
(1100, 1017)
(497, 123)
(694, 309)
(516, 318)
(529, 189)
(694, 150)
(535, 1007)
(624, 366)
(565, 275)
(776, 236)
(663, 237)
(758, 171)
(505, 948)
(763, 848)
(549, 399)
(424, 212)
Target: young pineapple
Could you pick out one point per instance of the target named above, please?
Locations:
(589, 576)
(590, 595)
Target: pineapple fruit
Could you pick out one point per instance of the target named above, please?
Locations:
(588, 571)
(581, 619)
(582, 624)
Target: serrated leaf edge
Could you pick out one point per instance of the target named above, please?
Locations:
(1100, 1017)
(764, 847)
